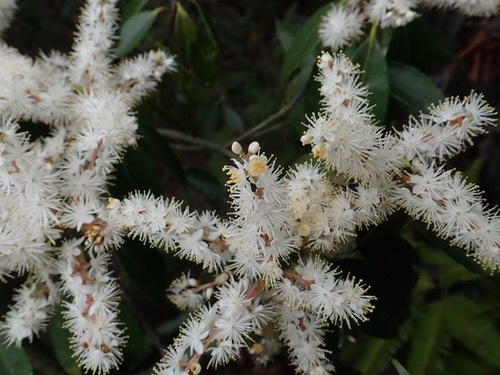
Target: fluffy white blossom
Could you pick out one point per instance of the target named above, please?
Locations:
(262, 282)
(345, 22)
(341, 26)
(54, 225)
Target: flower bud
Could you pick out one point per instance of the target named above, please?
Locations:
(253, 147)
(236, 148)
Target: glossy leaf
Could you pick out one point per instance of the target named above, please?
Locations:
(206, 25)
(286, 32)
(412, 87)
(14, 361)
(171, 326)
(184, 28)
(376, 355)
(458, 254)
(156, 145)
(134, 29)
(399, 368)
(304, 44)
(145, 267)
(468, 322)
(416, 44)
(139, 345)
(136, 172)
(428, 341)
(203, 57)
(133, 7)
(206, 184)
(59, 338)
(371, 58)
(233, 119)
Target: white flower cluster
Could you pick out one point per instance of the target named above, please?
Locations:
(404, 169)
(267, 281)
(256, 282)
(344, 22)
(54, 225)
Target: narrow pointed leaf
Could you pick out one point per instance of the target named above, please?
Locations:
(59, 338)
(372, 60)
(468, 322)
(14, 361)
(134, 29)
(304, 43)
(412, 87)
(428, 341)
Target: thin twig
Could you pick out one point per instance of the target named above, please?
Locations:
(270, 129)
(283, 111)
(179, 136)
(258, 129)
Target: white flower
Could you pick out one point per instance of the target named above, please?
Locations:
(341, 26)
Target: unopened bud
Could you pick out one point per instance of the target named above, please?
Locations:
(236, 148)
(253, 147)
(221, 278)
(209, 292)
(306, 139)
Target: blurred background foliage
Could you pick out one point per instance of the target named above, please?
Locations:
(245, 72)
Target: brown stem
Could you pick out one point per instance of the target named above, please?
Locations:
(93, 158)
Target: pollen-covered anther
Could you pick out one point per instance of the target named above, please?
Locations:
(257, 349)
(257, 165)
(95, 232)
(457, 121)
(195, 368)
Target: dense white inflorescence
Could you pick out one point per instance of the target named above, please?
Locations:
(345, 21)
(268, 281)
(54, 225)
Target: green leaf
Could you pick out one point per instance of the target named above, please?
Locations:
(419, 45)
(200, 43)
(136, 172)
(468, 322)
(233, 119)
(206, 184)
(156, 144)
(171, 326)
(134, 29)
(399, 368)
(139, 345)
(304, 43)
(312, 96)
(375, 355)
(145, 267)
(14, 361)
(203, 57)
(206, 25)
(372, 60)
(286, 32)
(59, 338)
(458, 254)
(184, 27)
(412, 87)
(428, 341)
(133, 7)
